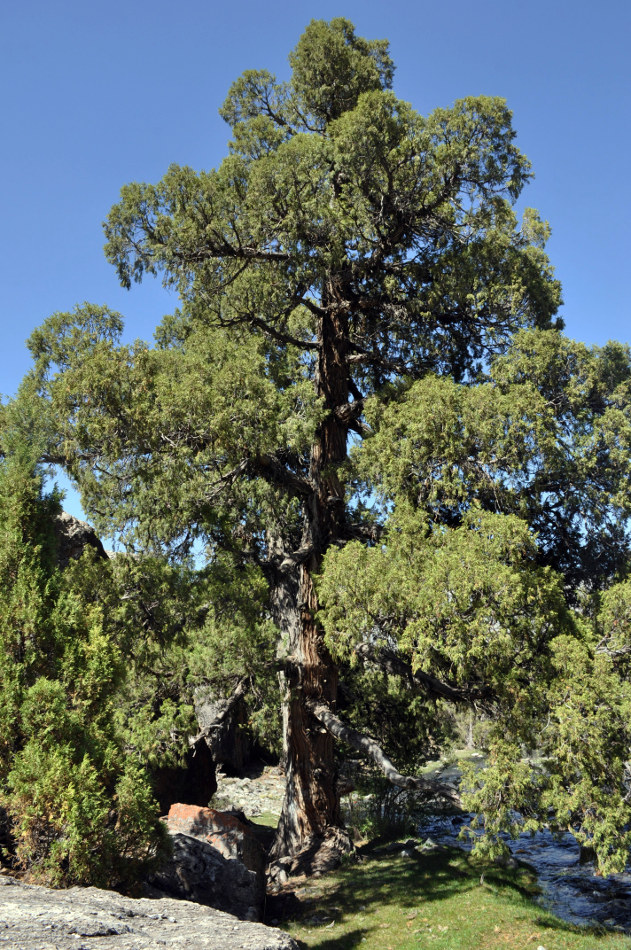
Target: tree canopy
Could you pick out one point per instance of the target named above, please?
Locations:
(365, 413)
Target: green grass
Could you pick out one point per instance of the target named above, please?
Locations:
(441, 900)
(266, 818)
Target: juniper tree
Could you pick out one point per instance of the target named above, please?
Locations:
(78, 808)
(346, 247)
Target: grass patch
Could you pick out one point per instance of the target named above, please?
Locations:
(444, 900)
(266, 818)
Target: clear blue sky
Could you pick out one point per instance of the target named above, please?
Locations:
(99, 94)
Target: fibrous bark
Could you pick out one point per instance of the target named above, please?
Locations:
(311, 806)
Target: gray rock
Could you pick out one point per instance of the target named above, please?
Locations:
(429, 845)
(506, 861)
(217, 860)
(263, 793)
(223, 725)
(73, 536)
(86, 918)
(198, 872)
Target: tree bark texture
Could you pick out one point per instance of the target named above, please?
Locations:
(311, 805)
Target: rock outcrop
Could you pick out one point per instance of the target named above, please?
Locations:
(217, 860)
(86, 918)
(223, 725)
(73, 536)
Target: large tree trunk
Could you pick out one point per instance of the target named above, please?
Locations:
(311, 803)
(311, 808)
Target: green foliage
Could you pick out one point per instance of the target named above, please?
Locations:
(579, 780)
(330, 174)
(352, 271)
(466, 594)
(468, 604)
(545, 436)
(333, 188)
(79, 811)
(189, 403)
(409, 725)
(614, 625)
(210, 637)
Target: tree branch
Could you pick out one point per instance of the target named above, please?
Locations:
(281, 337)
(349, 412)
(373, 750)
(273, 471)
(225, 480)
(391, 662)
(301, 556)
(226, 250)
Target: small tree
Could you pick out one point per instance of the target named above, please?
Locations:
(79, 810)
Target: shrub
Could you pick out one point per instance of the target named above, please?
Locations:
(78, 809)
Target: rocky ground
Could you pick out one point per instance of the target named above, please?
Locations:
(258, 794)
(37, 918)
(86, 918)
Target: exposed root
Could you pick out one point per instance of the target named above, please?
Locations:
(319, 855)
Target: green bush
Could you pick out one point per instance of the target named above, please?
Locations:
(80, 810)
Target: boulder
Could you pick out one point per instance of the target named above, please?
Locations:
(217, 860)
(223, 724)
(198, 872)
(224, 831)
(73, 536)
(87, 918)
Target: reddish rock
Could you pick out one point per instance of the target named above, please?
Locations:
(217, 860)
(229, 836)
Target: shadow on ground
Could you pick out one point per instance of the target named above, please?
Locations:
(385, 897)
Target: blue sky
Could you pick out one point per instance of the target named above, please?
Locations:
(99, 94)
